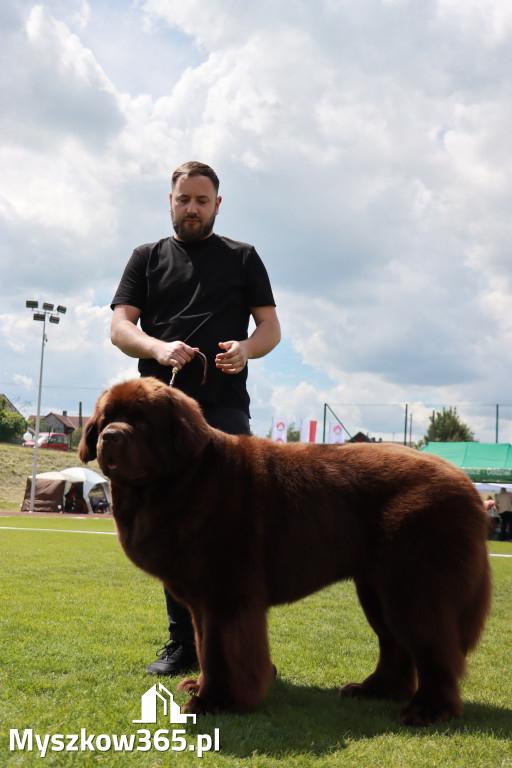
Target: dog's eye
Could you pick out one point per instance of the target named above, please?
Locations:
(105, 419)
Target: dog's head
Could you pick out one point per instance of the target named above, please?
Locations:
(143, 429)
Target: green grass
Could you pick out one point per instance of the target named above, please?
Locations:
(79, 623)
(16, 465)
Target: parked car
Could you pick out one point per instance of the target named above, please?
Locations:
(56, 441)
(30, 443)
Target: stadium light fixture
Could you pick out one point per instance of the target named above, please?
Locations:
(40, 314)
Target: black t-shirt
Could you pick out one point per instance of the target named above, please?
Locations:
(199, 293)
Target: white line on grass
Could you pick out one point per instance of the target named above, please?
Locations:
(110, 533)
(54, 530)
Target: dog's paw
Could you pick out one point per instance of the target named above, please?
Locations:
(189, 685)
(375, 687)
(195, 706)
(419, 715)
(353, 691)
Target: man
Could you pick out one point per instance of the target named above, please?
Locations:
(195, 291)
(504, 502)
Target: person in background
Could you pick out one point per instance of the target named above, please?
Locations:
(493, 517)
(196, 291)
(504, 503)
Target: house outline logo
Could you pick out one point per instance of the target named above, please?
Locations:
(149, 707)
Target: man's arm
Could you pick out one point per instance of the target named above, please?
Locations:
(125, 334)
(264, 338)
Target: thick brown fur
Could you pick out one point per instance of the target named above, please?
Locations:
(233, 525)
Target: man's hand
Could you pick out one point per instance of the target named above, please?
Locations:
(132, 340)
(234, 359)
(173, 353)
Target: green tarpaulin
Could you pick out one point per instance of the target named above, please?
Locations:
(483, 462)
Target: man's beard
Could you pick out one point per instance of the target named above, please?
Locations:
(189, 232)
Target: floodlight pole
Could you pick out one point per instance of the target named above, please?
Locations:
(41, 314)
(38, 422)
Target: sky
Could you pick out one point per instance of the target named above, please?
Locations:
(363, 147)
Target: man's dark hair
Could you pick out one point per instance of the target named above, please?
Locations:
(193, 168)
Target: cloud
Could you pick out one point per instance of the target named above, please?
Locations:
(58, 91)
(490, 22)
(363, 148)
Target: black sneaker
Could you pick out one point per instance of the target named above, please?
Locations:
(175, 659)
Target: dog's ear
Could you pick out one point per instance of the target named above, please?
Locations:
(194, 432)
(185, 424)
(89, 439)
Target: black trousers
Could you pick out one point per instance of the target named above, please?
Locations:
(234, 422)
(506, 526)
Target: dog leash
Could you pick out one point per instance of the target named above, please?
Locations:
(205, 368)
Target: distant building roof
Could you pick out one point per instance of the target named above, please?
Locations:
(64, 419)
(9, 406)
(74, 421)
(360, 437)
(69, 422)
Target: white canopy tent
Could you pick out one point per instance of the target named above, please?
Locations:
(52, 488)
(89, 478)
(492, 487)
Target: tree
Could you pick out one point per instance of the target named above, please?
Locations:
(75, 437)
(292, 434)
(446, 427)
(12, 425)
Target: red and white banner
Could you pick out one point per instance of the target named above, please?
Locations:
(336, 433)
(279, 430)
(308, 431)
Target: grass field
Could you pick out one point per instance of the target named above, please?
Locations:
(79, 623)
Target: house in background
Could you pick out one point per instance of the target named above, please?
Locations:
(9, 406)
(360, 437)
(61, 423)
(64, 423)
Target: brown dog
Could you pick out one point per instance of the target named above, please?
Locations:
(233, 525)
